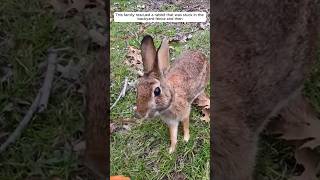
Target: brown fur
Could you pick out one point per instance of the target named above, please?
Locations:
(180, 85)
(262, 53)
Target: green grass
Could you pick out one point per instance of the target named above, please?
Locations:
(142, 151)
(27, 30)
(43, 150)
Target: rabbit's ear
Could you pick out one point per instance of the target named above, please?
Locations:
(148, 52)
(163, 56)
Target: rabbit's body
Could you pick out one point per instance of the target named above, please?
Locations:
(169, 92)
(187, 79)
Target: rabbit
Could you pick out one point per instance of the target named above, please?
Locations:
(167, 91)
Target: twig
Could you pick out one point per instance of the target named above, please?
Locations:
(23, 124)
(55, 50)
(40, 101)
(122, 93)
(46, 87)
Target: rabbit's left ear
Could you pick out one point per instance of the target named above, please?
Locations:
(163, 56)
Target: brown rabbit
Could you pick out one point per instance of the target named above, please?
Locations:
(169, 92)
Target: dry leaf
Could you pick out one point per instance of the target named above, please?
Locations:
(206, 114)
(202, 101)
(298, 121)
(70, 71)
(134, 59)
(180, 38)
(112, 127)
(142, 28)
(311, 143)
(204, 25)
(98, 38)
(310, 160)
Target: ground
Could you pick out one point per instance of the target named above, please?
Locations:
(140, 149)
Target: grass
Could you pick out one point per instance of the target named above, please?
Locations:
(142, 151)
(27, 30)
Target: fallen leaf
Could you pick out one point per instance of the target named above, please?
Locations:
(206, 114)
(181, 38)
(122, 125)
(310, 160)
(202, 101)
(298, 121)
(70, 71)
(178, 38)
(98, 38)
(134, 59)
(311, 143)
(142, 28)
(204, 25)
(112, 127)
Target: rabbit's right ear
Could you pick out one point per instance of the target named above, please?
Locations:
(148, 52)
(163, 56)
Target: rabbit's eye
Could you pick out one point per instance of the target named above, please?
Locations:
(157, 91)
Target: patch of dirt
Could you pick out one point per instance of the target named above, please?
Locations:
(175, 176)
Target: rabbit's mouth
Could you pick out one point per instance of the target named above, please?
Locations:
(152, 114)
(149, 114)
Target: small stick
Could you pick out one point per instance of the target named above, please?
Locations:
(46, 87)
(54, 50)
(122, 93)
(40, 102)
(23, 124)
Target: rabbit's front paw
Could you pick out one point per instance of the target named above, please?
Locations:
(172, 149)
(186, 137)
